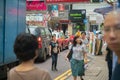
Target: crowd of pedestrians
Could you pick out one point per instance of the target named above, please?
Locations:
(26, 50)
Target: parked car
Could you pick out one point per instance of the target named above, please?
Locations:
(43, 36)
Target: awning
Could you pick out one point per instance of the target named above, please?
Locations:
(104, 10)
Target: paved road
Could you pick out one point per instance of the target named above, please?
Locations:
(63, 65)
(97, 68)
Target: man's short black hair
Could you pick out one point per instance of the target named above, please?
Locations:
(25, 46)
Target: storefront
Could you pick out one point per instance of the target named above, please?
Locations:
(36, 13)
(77, 18)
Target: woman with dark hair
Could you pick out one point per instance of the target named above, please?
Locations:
(26, 50)
(77, 61)
(54, 50)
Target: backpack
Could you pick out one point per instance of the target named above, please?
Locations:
(55, 49)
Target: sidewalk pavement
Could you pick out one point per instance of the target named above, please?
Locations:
(96, 70)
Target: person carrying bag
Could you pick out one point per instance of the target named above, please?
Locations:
(76, 56)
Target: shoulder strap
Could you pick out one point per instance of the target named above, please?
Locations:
(71, 47)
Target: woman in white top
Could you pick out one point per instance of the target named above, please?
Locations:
(77, 61)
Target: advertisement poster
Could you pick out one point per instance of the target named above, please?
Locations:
(54, 11)
(61, 7)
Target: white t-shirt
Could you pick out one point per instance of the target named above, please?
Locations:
(85, 41)
(78, 52)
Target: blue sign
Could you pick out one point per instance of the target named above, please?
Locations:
(54, 7)
(94, 31)
(85, 21)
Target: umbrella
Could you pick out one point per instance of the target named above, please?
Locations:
(104, 10)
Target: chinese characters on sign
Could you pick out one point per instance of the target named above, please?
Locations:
(36, 5)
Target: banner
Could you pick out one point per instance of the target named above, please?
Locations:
(36, 5)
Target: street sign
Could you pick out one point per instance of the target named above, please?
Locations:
(77, 15)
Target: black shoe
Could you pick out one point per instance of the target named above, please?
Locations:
(52, 68)
(56, 69)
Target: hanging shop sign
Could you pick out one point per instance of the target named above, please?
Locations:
(54, 11)
(77, 15)
(36, 5)
(61, 7)
(66, 1)
(63, 15)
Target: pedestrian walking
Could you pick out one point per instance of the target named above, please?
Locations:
(26, 50)
(54, 50)
(84, 38)
(112, 37)
(109, 57)
(77, 60)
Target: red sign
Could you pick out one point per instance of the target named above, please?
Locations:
(61, 7)
(35, 5)
(64, 21)
(66, 1)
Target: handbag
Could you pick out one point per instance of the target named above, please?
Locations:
(55, 50)
(69, 56)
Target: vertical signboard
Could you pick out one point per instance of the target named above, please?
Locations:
(54, 11)
(61, 7)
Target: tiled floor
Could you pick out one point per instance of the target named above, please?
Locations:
(96, 70)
